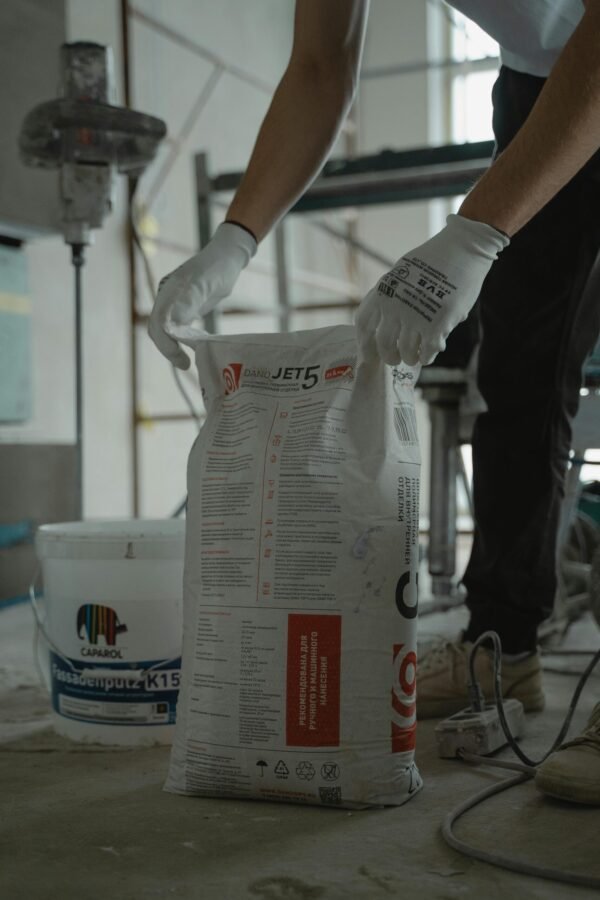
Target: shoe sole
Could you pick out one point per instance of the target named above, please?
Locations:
(569, 789)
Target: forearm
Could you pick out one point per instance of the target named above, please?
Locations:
(306, 112)
(560, 135)
(300, 127)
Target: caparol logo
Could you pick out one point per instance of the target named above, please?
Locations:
(94, 620)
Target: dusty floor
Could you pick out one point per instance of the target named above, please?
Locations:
(86, 824)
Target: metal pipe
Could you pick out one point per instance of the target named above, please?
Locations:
(323, 307)
(283, 288)
(350, 232)
(417, 183)
(388, 177)
(460, 66)
(130, 245)
(78, 259)
(444, 413)
(204, 219)
(143, 419)
(465, 481)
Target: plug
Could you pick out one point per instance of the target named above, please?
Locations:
(478, 732)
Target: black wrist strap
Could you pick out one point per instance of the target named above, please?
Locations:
(243, 227)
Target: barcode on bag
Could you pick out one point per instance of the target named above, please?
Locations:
(331, 795)
(406, 423)
(387, 288)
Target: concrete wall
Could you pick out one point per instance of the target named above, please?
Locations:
(167, 80)
(107, 396)
(30, 30)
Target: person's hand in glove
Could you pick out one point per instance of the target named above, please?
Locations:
(412, 310)
(195, 288)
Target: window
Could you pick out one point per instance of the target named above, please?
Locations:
(471, 118)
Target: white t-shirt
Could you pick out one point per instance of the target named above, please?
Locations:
(531, 33)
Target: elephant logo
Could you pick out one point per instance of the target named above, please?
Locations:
(96, 620)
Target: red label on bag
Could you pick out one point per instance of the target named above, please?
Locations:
(313, 680)
(403, 739)
(338, 372)
(404, 708)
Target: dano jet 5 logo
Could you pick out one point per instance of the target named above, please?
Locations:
(308, 376)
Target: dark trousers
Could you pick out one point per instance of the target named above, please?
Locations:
(538, 324)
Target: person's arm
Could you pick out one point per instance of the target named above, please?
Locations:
(306, 112)
(560, 135)
(297, 133)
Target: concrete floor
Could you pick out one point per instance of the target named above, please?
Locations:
(92, 824)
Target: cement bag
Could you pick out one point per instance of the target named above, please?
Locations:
(300, 585)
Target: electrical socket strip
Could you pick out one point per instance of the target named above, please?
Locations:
(478, 732)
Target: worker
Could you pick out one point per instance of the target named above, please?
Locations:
(523, 241)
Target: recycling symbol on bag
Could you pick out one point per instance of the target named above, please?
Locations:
(305, 771)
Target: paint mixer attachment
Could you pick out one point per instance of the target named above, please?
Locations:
(89, 141)
(87, 138)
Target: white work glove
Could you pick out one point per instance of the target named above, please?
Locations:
(194, 289)
(412, 310)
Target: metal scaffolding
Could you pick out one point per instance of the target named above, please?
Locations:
(388, 177)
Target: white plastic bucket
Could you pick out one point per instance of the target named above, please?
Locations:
(111, 616)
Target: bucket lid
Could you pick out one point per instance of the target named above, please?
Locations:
(112, 539)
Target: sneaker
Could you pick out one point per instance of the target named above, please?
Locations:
(443, 672)
(573, 771)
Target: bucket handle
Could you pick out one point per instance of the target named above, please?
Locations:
(99, 674)
(40, 629)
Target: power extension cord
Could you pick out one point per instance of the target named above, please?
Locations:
(478, 732)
